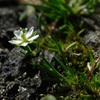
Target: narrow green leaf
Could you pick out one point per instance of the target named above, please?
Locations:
(91, 58)
(71, 45)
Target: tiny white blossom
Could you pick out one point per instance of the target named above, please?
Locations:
(89, 66)
(24, 37)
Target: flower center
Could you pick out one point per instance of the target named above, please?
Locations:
(24, 37)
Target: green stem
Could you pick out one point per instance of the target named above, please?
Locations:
(30, 52)
(50, 69)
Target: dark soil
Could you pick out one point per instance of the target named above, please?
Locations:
(18, 79)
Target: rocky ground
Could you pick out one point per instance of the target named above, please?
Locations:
(19, 80)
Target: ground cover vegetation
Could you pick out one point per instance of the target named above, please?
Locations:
(71, 62)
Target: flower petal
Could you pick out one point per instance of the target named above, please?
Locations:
(33, 38)
(17, 34)
(21, 32)
(24, 44)
(29, 33)
(15, 42)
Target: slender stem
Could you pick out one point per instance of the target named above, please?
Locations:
(30, 52)
(46, 65)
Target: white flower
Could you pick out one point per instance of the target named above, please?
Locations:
(24, 37)
(89, 66)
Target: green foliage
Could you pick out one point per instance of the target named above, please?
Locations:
(48, 97)
(64, 8)
(61, 35)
